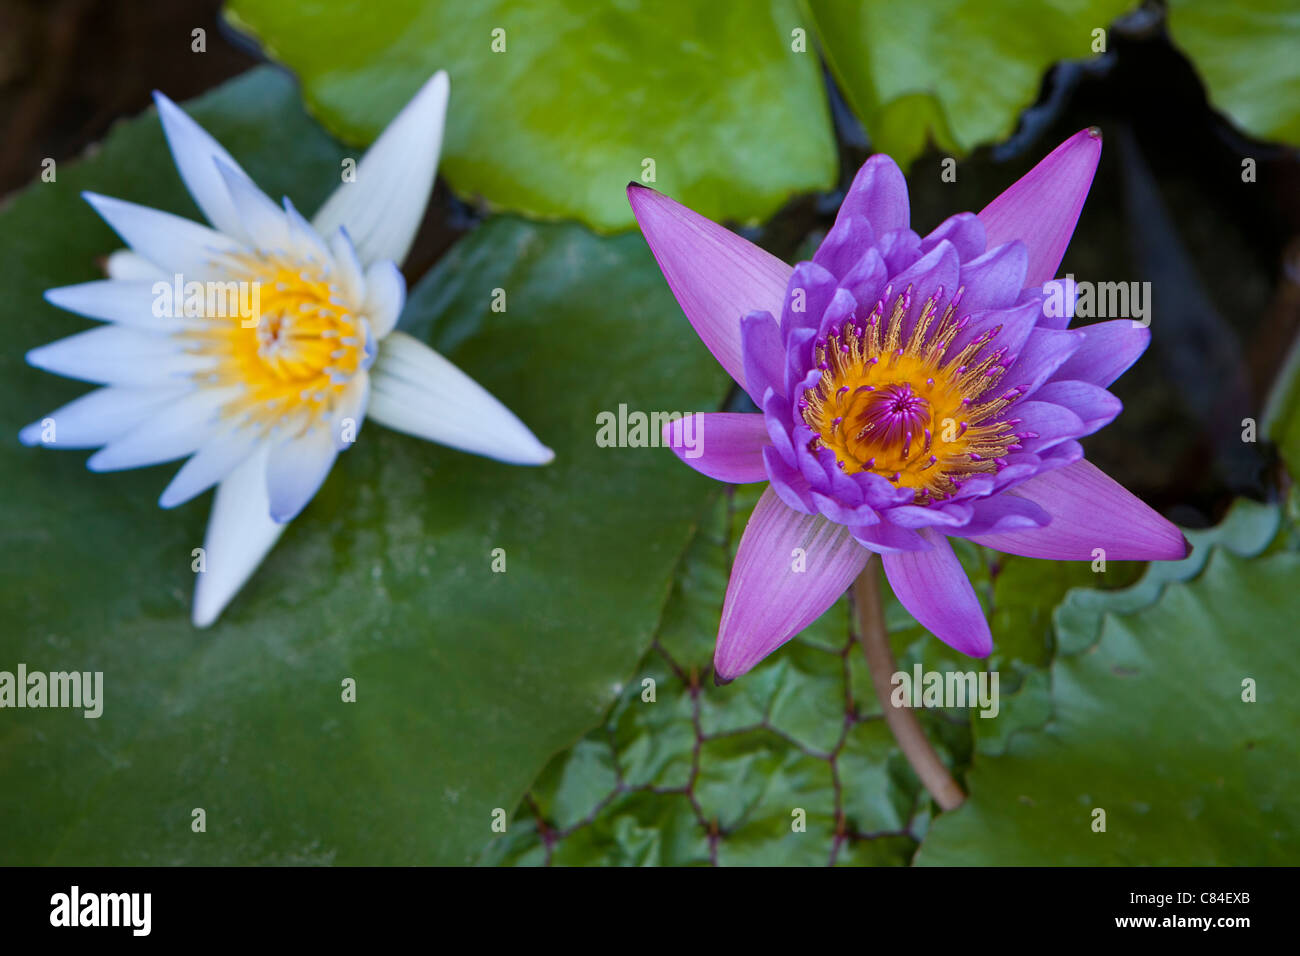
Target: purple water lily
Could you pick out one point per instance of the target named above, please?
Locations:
(913, 389)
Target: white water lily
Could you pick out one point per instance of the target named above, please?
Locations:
(261, 399)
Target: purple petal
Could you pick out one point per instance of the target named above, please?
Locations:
(879, 195)
(763, 352)
(994, 280)
(800, 373)
(899, 249)
(954, 515)
(790, 486)
(723, 445)
(716, 276)
(1020, 466)
(844, 245)
(809, 291)
(1044, 352)
(879, 491)
(790, 568)
(1108, 349)
(1095, 406)
(934, 588)
(940, 268)
(1041, 208)
(1048, 422)
(1003, 513)
(964, 230)
(887, 536)
(838, 312)
(776, 414)
(1090, 510)
(866, 280)
(811, 466)
(857, 515)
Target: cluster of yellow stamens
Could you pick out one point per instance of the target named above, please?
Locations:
(910, 410)
(296, 352)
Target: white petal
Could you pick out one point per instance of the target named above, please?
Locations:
(194, 149)
(385, 296)
(125, 264)
(113, 355)
(217, 458)
(98, 417)
(296, 470)
(176, 431)
(415, 390)
(264, 223)
(240, 533)
(382, 209)
(303, 239)
(172, 243)
(127, 302)
(348, 272)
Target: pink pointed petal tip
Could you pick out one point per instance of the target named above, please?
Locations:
(934, 588)
(722, 445)
(1092, 516)
(717, 276)
(1042, 207)
(790, 568)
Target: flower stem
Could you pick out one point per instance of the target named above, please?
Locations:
(902, 722)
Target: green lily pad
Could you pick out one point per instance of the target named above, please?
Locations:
(1058, 608)
(557, 104)
(1245, 53)
(955, 71)
(467, 681)
(1178, 725)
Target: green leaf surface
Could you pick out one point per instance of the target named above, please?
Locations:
(1178, 723)
(1245, 52)
(958, 72)
(467, 680)
(733, 119)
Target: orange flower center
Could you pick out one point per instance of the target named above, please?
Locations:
(912, 411)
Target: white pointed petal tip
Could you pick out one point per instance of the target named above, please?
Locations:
(418, 391)
(33, 357)
(240, 534)
(193, 149)
(543, 456)
(295, 471)
(125, 264)
(384, 205)
(100, 203)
